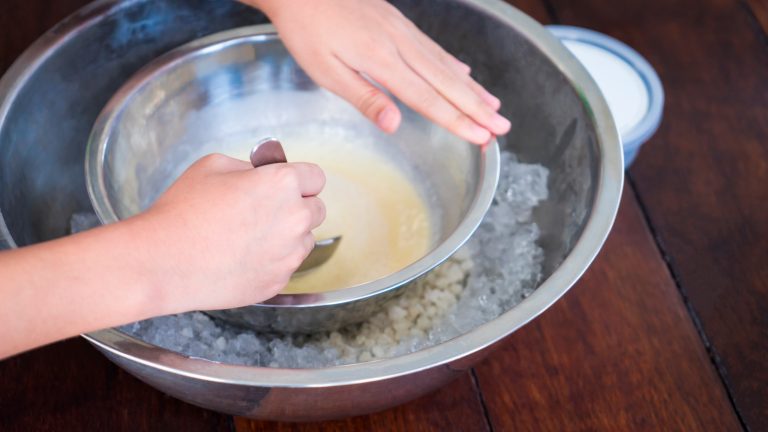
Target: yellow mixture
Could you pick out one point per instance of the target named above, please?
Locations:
(372, 205)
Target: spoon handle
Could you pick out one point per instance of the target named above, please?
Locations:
(270, 151)
(267, 151)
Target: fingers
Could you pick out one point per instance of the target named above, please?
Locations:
(316, 211)
(417, 93)
(429, 80)
(444, 56)
(447, 58)
(368, 99)
(458, 65)
(454, 87)
(484, 94)
(310, 177)
(305, 177)
(309, 243)
(452, 62)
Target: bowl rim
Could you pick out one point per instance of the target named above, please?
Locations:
(104, 126)
(605, 206)
(119, 345)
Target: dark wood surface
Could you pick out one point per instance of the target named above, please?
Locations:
(668, 330)
(69, 386)
(617, 353)
(703, 180)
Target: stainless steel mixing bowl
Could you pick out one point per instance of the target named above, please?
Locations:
(51, 96)
(225, 92)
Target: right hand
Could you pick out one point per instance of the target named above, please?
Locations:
(340, 43)
(227, 235)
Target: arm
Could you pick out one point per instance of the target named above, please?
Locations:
(61, 288)
(224, 235)
(337, 42)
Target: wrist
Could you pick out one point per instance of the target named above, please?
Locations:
(141, 266)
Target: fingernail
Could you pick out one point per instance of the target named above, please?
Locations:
(500, 124)
(388, 119)
(478, 134)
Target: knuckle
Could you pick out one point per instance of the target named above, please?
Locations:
(444, 76)
(322, 212)
(287, 177)
(387, 59)
(304, 218)
(212, 160)
(320, 176)
(479, 109)
(461, 120)
(297, 223)
(394, 13)
(297, 258)
(281, 283)
(369, 101)
(275, 287)
(370, 43)
(309, 244)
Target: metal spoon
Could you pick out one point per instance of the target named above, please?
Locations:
(269, 151)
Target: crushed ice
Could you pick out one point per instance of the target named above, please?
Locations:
(499, 266)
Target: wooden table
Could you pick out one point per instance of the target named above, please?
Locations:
(668, 330)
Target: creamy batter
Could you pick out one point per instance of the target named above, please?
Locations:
(371, 203)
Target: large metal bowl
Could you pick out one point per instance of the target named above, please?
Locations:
(560, 120)
(224, 92)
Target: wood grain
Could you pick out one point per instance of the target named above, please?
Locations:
(455, 407)
(703, 178)
(24, 21)
(617, 353)
(70, 386)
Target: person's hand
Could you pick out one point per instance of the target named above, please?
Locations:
(341, 42)
(223, 235)
(227, 235)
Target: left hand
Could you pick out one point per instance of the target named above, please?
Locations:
(341, 42)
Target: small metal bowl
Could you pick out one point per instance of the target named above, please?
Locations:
(217, 93)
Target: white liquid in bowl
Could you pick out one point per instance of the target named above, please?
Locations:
(370, 202)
